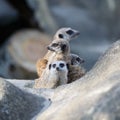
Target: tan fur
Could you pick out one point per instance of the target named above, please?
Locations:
(75, 72)
(41, 65)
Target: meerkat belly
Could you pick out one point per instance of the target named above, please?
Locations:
(63, 79)
(53, 80)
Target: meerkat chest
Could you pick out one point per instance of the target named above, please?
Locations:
(53, 76)
(56, 57)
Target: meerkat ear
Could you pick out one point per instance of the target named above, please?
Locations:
(67, 66)
(49, 66)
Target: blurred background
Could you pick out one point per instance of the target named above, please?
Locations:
(27, 27)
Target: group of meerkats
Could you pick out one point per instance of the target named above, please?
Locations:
(59, 66)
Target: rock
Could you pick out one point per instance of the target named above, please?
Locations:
(43, 15)
(16, 104)
(7, 13)
(19, 56)
(93, 97)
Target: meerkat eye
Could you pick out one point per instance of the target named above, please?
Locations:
(78, 59)
(54, 65)
(69, 32)
(60, 36)
(55, 44)
(62, 65)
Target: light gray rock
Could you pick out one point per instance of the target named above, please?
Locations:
(19, 55)
(16, 104)
(93, 97)
(43, 15)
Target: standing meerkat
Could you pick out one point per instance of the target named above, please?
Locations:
(54, 75)
(76, 71)
(63, 34)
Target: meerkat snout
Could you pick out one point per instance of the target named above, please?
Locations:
(57, 68)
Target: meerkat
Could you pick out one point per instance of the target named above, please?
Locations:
(63, 34)
(54, 75)
(76, 71)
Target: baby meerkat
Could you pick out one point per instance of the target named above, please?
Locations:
(54, 75)
(63, 34)
(76, 71)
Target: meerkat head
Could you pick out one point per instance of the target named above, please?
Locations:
(59, 46)
(58, 66)
(76, 60)
(66, 34)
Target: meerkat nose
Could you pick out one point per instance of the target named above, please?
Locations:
(75, 34)
(57, 68)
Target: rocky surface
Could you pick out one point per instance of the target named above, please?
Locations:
(93, 97)
(16, 104)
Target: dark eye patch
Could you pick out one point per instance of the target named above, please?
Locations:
(63, 47)
(60, 35)
(78, 59)
(62, 65)
(69, 32)
(54, 44)
(49, 66)
(54, 65)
